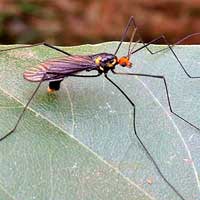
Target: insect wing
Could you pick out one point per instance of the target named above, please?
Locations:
(59, 67)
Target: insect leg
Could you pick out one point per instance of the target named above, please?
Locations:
(166, 91)
(74, 75)
(85, 76)
(55, 85)
(33, 45)
(140, 141)
(162, 37)
(132, 23)
(35, 91)
(21, 115)
(176, 43)
(129, 24)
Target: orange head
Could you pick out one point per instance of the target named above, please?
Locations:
(124, 62)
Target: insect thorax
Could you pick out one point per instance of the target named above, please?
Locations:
(105, 61)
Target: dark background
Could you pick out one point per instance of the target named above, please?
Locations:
(67, 22)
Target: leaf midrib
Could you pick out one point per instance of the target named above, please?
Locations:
(79, 143)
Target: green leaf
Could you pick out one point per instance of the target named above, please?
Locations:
(79, 143)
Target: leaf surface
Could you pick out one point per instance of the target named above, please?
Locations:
(79, 143)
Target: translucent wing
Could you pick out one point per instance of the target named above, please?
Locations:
(65, 66)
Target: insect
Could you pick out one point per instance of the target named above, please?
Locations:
(55, 70)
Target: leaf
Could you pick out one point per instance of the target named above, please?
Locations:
(79, 143)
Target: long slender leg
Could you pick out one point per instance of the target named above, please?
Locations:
(85, 76)
(57, 74)
(33, 45)
(162, 37)
(55, 85)
(124, 34)
(176, 43)
(140, 141)
(38, 86)
(21, 115)
(132, 23)
(166, 90)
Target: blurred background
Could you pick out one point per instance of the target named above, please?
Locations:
(66, 22)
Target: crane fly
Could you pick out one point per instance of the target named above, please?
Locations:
(56, 69)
